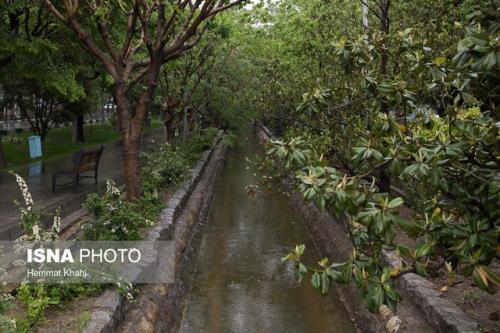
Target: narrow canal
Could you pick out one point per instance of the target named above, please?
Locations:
(240, 283)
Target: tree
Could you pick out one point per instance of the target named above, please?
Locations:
(132, 40)
(181, 80)
(23, 25)
(40, 105)
(87, 77)
(436, 140)
(22, 22)
(322, 85)
(39, 93)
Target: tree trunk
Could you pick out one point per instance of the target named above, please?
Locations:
(185, 125)
(384, 179)
(384, 27)
(193, 120)
(131, 125)
(130, 130)
(103, 116)
(42, 141)
(169, 128)
(131, 167)
(169, 118)
(2, 155)
(78, 133)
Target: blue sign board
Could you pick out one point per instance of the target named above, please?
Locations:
(35, 146)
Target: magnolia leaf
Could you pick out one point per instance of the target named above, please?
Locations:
(440, 60)
(316, 280)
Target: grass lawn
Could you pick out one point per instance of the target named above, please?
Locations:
(58, 142)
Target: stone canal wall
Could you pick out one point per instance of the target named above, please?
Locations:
(159, 307)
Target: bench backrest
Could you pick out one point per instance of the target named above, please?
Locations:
(87, 160)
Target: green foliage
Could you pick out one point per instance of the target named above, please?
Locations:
(427, 123)
(198, 143)
(164, 166)
(117, 219)
(230, 139)
(69, 291)
(82, 320)
(114, 218)
(168, 165)
(35, 299)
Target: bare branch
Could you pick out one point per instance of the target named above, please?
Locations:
(131, 30)
(222, 7)
(138, 78)
(74, 25)
(55, 11)
(104, 32)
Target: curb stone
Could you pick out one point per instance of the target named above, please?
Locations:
(442, 314)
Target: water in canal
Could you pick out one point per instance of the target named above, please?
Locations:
(240, 284)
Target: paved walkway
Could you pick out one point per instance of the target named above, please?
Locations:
(38, 175)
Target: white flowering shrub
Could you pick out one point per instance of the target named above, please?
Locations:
(113, 217)
(31, 217)
(126, 289)
(7, 324)
(163, 167)
(5, 302)
(166, 165)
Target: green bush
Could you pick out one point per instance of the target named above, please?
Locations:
(169, 165)
(230, 139)
(68, 291)
(164, 166)
(118, 219)
(434, 132)
(113, 217)
(35, 300)
(197, 144)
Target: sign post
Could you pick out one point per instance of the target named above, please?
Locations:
(35, 145)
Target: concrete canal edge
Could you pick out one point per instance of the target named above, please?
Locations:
(421, 301)
(161, 302)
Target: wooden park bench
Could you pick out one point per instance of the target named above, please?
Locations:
(83, 162)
